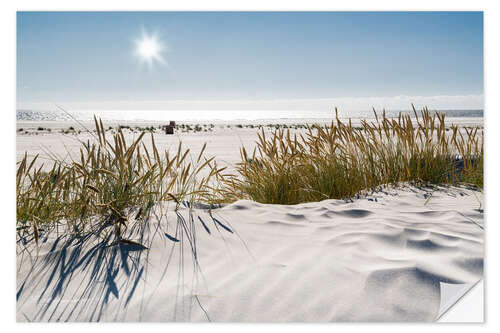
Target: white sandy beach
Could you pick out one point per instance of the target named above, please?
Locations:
(248, 166)
(376, 258)
(379, 258)
(223, 142)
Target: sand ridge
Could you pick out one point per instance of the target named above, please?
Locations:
(377, 258)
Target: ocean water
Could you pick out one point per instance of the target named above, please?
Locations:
(206, 115)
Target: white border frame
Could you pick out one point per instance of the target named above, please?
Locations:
(492, 109)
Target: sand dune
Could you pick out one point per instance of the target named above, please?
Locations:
(377, 258)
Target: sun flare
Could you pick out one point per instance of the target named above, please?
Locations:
(149, 49)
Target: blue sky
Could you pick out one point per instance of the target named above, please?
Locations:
(88, 59)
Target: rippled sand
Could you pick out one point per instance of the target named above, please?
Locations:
(377, 258)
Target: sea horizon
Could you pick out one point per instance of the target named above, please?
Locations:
(219, 115)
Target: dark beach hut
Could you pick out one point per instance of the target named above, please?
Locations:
(169, 129)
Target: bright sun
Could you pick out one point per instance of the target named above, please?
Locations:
(149, 49)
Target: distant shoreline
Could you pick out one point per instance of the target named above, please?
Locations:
(217, 124)
(222, 116)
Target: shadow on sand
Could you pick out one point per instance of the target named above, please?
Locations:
(74, 278)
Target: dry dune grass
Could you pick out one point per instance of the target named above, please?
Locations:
(115, 184)
(340, 160)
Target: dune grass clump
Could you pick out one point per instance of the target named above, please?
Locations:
(112, 184)
(340, 161)
(115, 183)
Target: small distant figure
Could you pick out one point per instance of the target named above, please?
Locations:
(169, 129)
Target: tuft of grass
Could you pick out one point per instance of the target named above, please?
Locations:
(117, 184)
(339, 160)
(112, 183)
